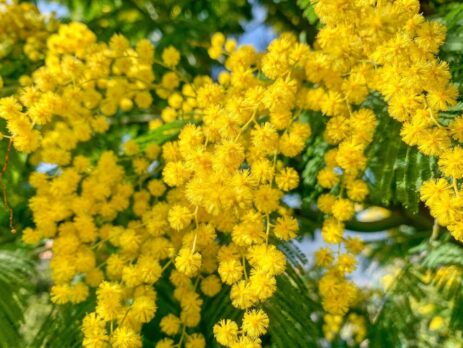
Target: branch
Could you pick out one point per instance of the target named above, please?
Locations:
(394, 220)
(397, 218)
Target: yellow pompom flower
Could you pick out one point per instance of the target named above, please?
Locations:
(287, 179)
(354, 245)
(93, 328)
(456, 128)
(165, 343)
(226, 332)
(226, 165)
(451, 163)
(343, 209)
(327, 178)
(179, 217)
(30, 236)
(286, 227)
(266, 199)
(346, 263)
(350, 157)
(262, 284)
(126, 104)
(175, 174)
(230, 45)
(332, 231)
(325, 203)
(188, 262)
(230, 271)
(215, 52)
(124, 337)
(224, 78)
(156, 188)
(129, 240)
(143, 100)
(60, 293)
(170, 324)
(436, 323)
(168, 115)
(324, 257)
(241, 295)
(143, 309)
(255, 323)
(131, 148)
(267, 258)
(211, 286)
(195, 340)
(217, 39)
(152, 151)
(140, 165)
(170, 56)
(357, 190)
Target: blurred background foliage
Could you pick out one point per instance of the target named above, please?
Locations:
(419, 303)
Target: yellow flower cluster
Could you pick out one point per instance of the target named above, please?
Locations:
(21, 24)
(219, 45)
(209, 211)
(400, 62)
(228, 177)
(78, 209)
(390, 48)
(224, 175)
(70, 97)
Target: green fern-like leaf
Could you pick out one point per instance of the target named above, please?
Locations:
(61, 328)
(308, 10)
(292, 310)
(443, 254)
(396, 322)
(313, 158)
(452, 16)
(396, 171)
(456, 317)
(15, 286)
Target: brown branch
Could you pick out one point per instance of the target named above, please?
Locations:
(396, 219)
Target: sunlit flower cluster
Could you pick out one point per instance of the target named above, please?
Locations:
(23, 26)
(390, 48)
(70, 97)
(206, 209)
(123, 221)
(228, 178)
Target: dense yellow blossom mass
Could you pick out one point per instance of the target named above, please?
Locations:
(388, 47)
(226, 174)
